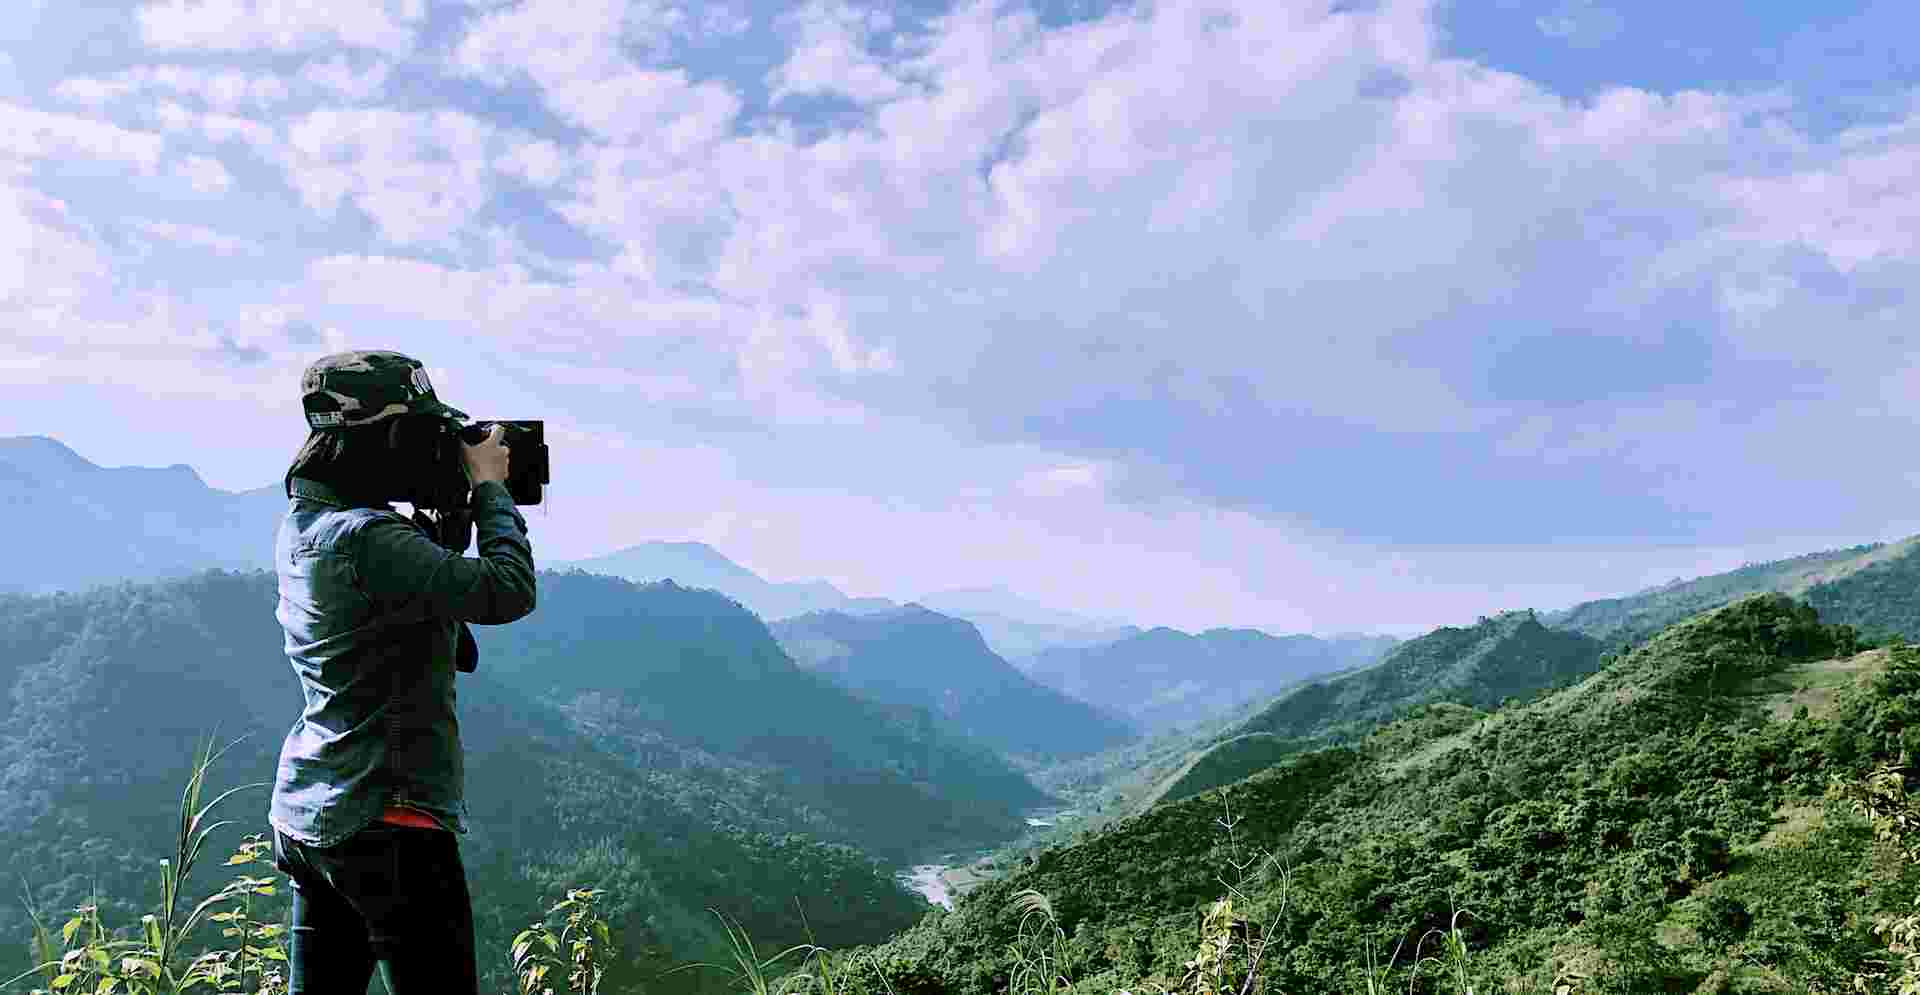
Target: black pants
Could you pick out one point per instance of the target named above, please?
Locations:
(391, 895)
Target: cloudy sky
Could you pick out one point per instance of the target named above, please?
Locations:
(1315, 315)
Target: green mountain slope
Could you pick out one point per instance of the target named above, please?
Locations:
(1223, 763)
(1481, 665)
(1164, 677)
(1654, 827)
(106, 692)
(1620, 621)
(674, 677)
(1878, 592)
(916, 657)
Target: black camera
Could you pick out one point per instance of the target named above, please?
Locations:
(527, 470)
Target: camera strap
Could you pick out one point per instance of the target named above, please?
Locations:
(452, 529)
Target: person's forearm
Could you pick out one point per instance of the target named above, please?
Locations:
(503, 543)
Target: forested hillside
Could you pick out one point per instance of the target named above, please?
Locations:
(1625, 620)
(1879, 593)
(1660, 826)
(107, 692)
(677, 678)
(1479, 665)
(1164, 677)
(921, 658)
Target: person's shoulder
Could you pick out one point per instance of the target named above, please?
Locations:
(362, 518)
(359, 521)
(332, 529)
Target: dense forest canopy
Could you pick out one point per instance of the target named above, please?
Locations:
(1655, 825)
(651, 738)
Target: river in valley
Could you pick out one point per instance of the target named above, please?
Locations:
(949, 875)
(926, 880)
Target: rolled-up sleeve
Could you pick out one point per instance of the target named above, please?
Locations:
(404, 571)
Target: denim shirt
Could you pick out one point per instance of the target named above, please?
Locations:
(376, 615)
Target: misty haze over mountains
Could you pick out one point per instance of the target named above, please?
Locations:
(91, 525)
(918, 657)
(100, 525)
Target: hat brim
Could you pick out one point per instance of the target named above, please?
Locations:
(435, 406)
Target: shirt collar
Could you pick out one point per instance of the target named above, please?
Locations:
(314, 490)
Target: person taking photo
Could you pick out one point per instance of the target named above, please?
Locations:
(368, 800)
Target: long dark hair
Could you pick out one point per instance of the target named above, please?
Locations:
(390, 460)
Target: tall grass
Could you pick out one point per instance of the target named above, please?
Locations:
(93, 958)
(572, 945)
(86, 954)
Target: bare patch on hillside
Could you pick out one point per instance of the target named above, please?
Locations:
(1816, 685)
(1792, 824)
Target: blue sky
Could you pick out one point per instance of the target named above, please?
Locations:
(1308, 315)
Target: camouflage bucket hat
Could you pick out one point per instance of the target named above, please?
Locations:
(360, 388)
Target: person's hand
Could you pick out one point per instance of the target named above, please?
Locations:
(487, 459)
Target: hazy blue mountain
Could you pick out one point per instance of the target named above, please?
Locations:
(696, 564)
(1018, 627)
(914, 656)
(95, 525)
(1008, 604)
(1012, 626)
(1164, 677)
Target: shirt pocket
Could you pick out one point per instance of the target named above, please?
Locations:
(321, 595)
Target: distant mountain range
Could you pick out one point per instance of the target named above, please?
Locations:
(1012, 626)
(1164, 677)
(89, 525)
(1018, 627)
(696, 564)
(918, 657)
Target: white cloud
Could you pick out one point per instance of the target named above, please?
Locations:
(575, 51)
(420, 176)
(35, 135)
(340, 77)
(387, 26)
(1582, 22)
(164, 234)
(551, 42)
(260, 137)
(830, 56)
(539, 163)
(1059, 481)
(232, 90)
(1859, 207)
(205, 174)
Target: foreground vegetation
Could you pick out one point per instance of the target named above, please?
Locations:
(1728, 807)
(1660, 826)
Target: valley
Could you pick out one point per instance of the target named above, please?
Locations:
(836, 775)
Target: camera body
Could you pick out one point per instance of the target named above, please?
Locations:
(433, 474)
(527, 467)
(434, 480)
